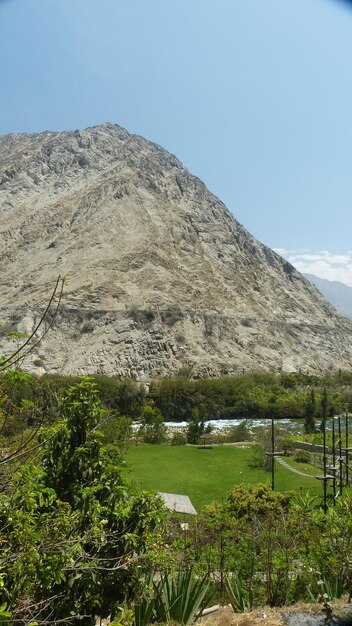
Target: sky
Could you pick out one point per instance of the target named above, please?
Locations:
(253, 96)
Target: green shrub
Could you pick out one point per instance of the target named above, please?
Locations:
(178, 439)
(302, 456)
(257, 500)
(38, 362)
(153, 429)
(240, 432)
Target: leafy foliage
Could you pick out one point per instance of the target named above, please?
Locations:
(153, 429)
(246, 395)
(72, 530)
(310, 411)
(272, 553)
(241, 432)
(196, 427)
(75, 537)
(256, 500)
(178, 439)
(249, 395)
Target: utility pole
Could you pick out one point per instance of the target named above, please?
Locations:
(324, 405)
(334, 458)
(346, 443)
(340, 453)
(272, 454)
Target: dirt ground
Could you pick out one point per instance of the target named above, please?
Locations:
(267, 616)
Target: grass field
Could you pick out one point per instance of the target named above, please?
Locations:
(207, 474)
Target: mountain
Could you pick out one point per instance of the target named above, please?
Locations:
(160, 276)
(339, 294)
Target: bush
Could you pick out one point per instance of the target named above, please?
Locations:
(240, 432)
(117, 430)
(196, 428)
(171, 315)
(153, 429)
(178, 439)
(259, 457)
(283, 443)
(257, 500)
(38, 362)
(143, 317)
(69, 527)
(302, 456)
(87, 326)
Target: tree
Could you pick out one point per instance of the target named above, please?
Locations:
(241, 432)
(196, 427)
(310, 409)
(72, 530)
(153, 429)
(8, 370)
(32, 340)
(324, 409)
(72, 458)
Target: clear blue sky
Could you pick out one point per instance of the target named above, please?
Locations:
(254, 96)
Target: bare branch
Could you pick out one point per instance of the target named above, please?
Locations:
(11, 360)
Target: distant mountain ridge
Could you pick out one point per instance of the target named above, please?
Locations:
(339, 294)
(161, 278)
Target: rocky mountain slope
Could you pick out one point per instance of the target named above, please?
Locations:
(160, 276)
(337, 293)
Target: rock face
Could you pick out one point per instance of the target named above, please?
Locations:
(160, 276)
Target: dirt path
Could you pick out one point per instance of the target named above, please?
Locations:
(292, 469)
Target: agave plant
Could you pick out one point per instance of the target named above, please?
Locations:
(241, 599)
(182, 598)
(331, 588)
(144, 606)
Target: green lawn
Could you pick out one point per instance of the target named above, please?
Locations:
(207, 474)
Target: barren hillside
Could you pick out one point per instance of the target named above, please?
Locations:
(160, 275)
